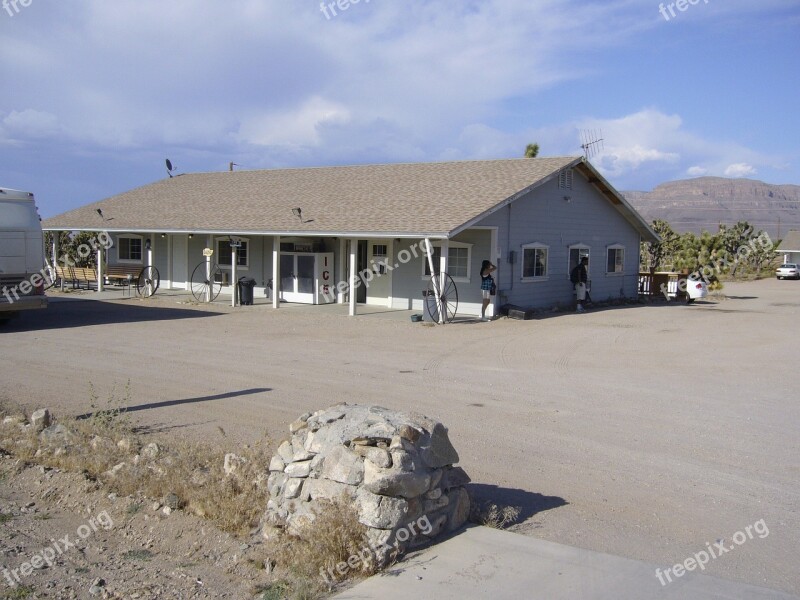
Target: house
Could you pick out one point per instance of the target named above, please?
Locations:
(379, 229)
(789, 248)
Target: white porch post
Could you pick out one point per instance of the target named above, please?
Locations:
(442, 271)
(208, 269)
(388, 273)
(343, 269)
(429, 252)
(234, 282)
(496, 261)
(170, 257)
(100, 268)
(56, 249)
(353, 278)
(150, 250)
(276, 271)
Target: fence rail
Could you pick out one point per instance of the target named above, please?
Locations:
(653, 284)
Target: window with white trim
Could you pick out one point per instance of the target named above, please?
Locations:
(459, 261)
(576, 253)
(380, 256)
(129, 249)
(615, 259)
(534, 262)
(224, 253)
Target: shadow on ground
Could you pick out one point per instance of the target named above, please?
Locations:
(165, 403)
(82, 313)
(528, 503)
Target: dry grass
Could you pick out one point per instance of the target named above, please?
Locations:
(105, 447)
(18, 593)
(492, 515)
(305, 564)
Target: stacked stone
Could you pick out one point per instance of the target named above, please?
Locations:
(396, 469)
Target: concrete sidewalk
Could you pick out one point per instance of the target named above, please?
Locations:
(481, 562)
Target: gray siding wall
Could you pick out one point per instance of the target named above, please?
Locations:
(259, 267)
(408, 281)
(544, 216)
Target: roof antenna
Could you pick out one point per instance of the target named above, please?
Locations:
(591, 142)
(231, 165)
(169, 168)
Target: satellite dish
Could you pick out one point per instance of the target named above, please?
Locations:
(169, 168)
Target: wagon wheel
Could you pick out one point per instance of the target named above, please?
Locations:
(148, 281)
(206, 289)
(50, 276)
(447, 293)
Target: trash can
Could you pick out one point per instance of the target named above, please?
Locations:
(430, 313)
(246, 285)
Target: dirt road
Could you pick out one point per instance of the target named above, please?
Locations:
(647, 432)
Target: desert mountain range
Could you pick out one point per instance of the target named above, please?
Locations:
(705, 202)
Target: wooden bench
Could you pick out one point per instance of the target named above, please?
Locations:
(77, 275)
(87, 275)
(122, 273)
(64, 274)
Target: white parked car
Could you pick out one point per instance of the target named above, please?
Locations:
(788, 270)
(695, 288)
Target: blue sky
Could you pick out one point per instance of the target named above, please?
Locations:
(96, 94)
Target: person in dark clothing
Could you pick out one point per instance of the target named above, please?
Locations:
(580, 277)
(487, 282)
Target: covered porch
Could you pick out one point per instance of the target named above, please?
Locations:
(358, 272)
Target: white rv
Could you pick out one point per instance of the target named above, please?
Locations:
(22, 273)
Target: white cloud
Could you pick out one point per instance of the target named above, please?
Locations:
(646, 138)
(294, 127)
(277, 84)
(133, 73)
(655, 143)
(740, 170)
(30, 123)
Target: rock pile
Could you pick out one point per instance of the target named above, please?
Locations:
(396, 470)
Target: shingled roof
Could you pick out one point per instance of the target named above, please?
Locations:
(791, 243)
(420, 199)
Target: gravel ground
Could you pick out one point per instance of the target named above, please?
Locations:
(646, 432)
(65, 538)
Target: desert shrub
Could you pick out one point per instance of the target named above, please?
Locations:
(490, 514)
